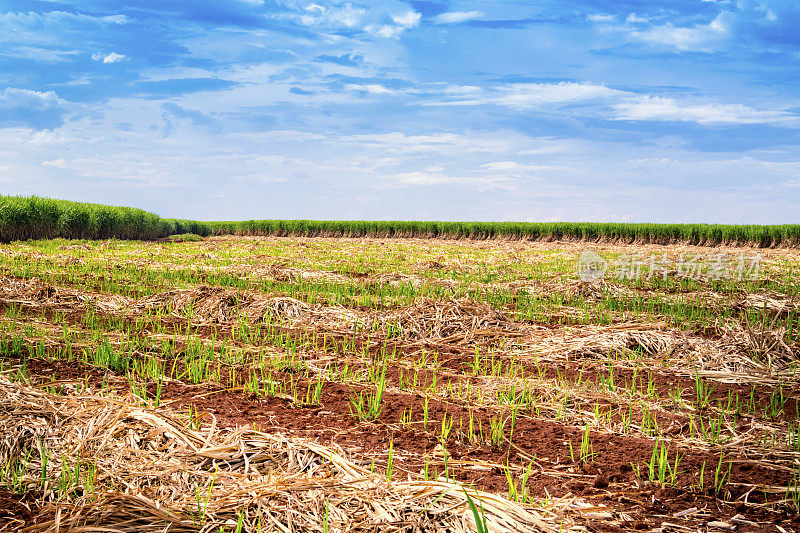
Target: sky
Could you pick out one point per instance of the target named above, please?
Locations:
(620, 111)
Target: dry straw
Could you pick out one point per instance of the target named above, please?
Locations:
(153, 472)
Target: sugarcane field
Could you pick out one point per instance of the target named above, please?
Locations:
(399, 266)
(257, 383)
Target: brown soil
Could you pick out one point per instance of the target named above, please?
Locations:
(676, 424)
(17, 511)
(608, 478)
(331, 421)
(458, 360)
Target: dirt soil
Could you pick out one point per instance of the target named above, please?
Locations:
(468, 299)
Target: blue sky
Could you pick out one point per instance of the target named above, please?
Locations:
(631, 110)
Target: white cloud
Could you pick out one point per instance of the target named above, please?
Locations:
(475, 175)
(372, 21)
(51, 29)
(409, 19)
(27, 99)
(55, 163)
(700, 38)
(346, 16)
(633, 18)
(385, 30)
(430, 176)
(456, 17)
(371, 88)
(604, 102)
(599, 17)
(113, 57)
(530, 95)
(437, 145)
(697, 38)
(547, 147)
(461, 89)
(501, 165)
(402, 22)
(508, 170)
(115, 19)
(116, 167)
(436, 175)
(668, 109)
(33, 21)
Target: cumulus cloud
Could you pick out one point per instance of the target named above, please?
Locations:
(387, 31)
(456, 17)
(703, 37)
(700, 37)
(400, 23)
(409, 19)
(113, 57)
(347, 16)
(34, 100)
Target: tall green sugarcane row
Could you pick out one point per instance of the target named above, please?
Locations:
(37, 218)
(700, 234)
(44, 218)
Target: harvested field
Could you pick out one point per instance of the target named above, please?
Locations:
(317, 384)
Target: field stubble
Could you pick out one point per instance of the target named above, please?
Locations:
(359, 384)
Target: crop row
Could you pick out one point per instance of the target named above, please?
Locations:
(692, 313)
(44, 218)
(33, 217)
(285, 375)
(699, 234)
